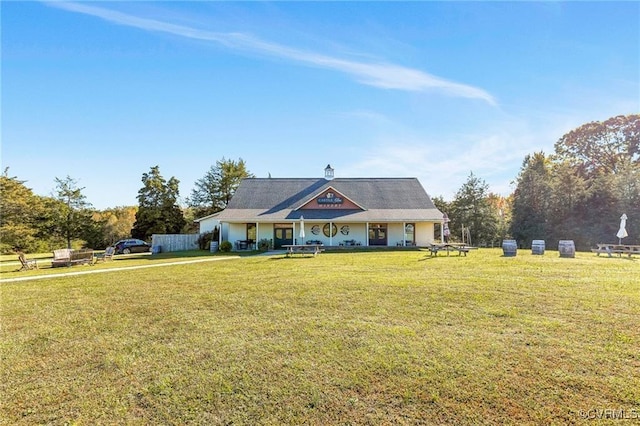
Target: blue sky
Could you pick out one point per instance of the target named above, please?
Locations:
(103, 91)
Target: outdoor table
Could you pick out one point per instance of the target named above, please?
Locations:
(619, 249)
(313, 249)
(449, 247)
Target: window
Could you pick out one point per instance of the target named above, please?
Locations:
(251, 231)
(410, 232)
(334, 230)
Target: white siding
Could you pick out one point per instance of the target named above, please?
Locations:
(395, 234)
(424, 233)
(208, 225)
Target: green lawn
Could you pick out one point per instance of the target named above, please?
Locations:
(388, 337)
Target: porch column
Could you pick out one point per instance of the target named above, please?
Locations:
(404, 234)
(366, 234)
(330, 233)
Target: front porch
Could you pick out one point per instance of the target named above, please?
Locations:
(332, 235)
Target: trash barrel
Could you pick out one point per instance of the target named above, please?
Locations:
(566, 248)
(537, 247)
(214, 247)
(509, 248)
(156, 249)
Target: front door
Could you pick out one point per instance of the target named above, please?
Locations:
(378, 234)
(282, 234)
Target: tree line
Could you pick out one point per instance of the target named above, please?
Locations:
(581, 190)
(34, 223)
(577, 192)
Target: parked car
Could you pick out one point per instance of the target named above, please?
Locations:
(132, 245)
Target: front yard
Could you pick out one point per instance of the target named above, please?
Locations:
(388, 337)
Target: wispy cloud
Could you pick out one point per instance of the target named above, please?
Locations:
(446, 165)
(381, 75)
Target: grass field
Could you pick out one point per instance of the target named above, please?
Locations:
(389, 337)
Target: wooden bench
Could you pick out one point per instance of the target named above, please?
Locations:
(61, 257)
(68, 257)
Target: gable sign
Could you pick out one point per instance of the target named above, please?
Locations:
(330, 199)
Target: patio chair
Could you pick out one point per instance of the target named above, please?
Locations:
(107, 255)
(27, 263)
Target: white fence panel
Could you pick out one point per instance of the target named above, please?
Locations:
(174, 242)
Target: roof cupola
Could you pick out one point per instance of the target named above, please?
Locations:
(328, 172)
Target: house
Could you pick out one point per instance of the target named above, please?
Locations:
(333, 211)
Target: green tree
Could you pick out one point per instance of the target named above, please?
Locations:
(158, 210)
(502, 208)
(93, 235)
(626, 187)
(441, 204)
(568, 206)
(471, 209)
(601, 202)
(113, 224)
(21, 214)
(190, 215)
(445, 208)
(213, 191)
(581, 191)
(72, 215)
(602, 146)
(531, 200)
(118, 222)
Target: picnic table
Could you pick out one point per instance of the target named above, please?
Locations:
(618, 249)
(434, 249)
(303, 249)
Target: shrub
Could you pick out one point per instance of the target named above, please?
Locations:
(225, 246)
(204, 240)
(263, 244)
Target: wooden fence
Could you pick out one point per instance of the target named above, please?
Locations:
(164, 243)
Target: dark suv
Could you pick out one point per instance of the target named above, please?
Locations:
(131, 245)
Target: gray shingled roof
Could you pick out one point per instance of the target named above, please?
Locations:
(388, 199)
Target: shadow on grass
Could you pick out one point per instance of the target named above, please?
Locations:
(627, 258)
(422, 259)
(284, 257)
